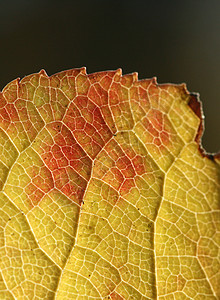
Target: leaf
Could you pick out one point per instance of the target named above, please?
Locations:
(105, 191)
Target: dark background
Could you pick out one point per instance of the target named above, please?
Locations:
(177, 41)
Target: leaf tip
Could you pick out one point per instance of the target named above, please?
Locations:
(83, 70)
(135, 76)
(43, 72)
(154, 80)
(118, 72)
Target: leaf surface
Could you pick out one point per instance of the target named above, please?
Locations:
(105, 191)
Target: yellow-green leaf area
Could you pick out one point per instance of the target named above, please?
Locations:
(105, 190)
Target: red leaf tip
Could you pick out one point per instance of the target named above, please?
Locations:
(43, 72)
(83, 70)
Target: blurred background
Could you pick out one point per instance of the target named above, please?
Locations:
(176, 41)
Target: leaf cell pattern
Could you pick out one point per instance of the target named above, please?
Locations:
(105, 192)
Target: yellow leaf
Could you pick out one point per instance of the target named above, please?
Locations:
(106, 192)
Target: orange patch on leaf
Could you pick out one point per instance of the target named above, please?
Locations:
(4, 118)
(69, 164)
(125, 166)
(65, 151)
(41, 182)
(138, 162)
(144, 98)
(85, 121)
(34, 194)
(70, 183)
(127, 185)
(114, 177)
(154, 123)
(12, 112)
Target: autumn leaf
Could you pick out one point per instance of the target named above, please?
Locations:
(106, 192)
